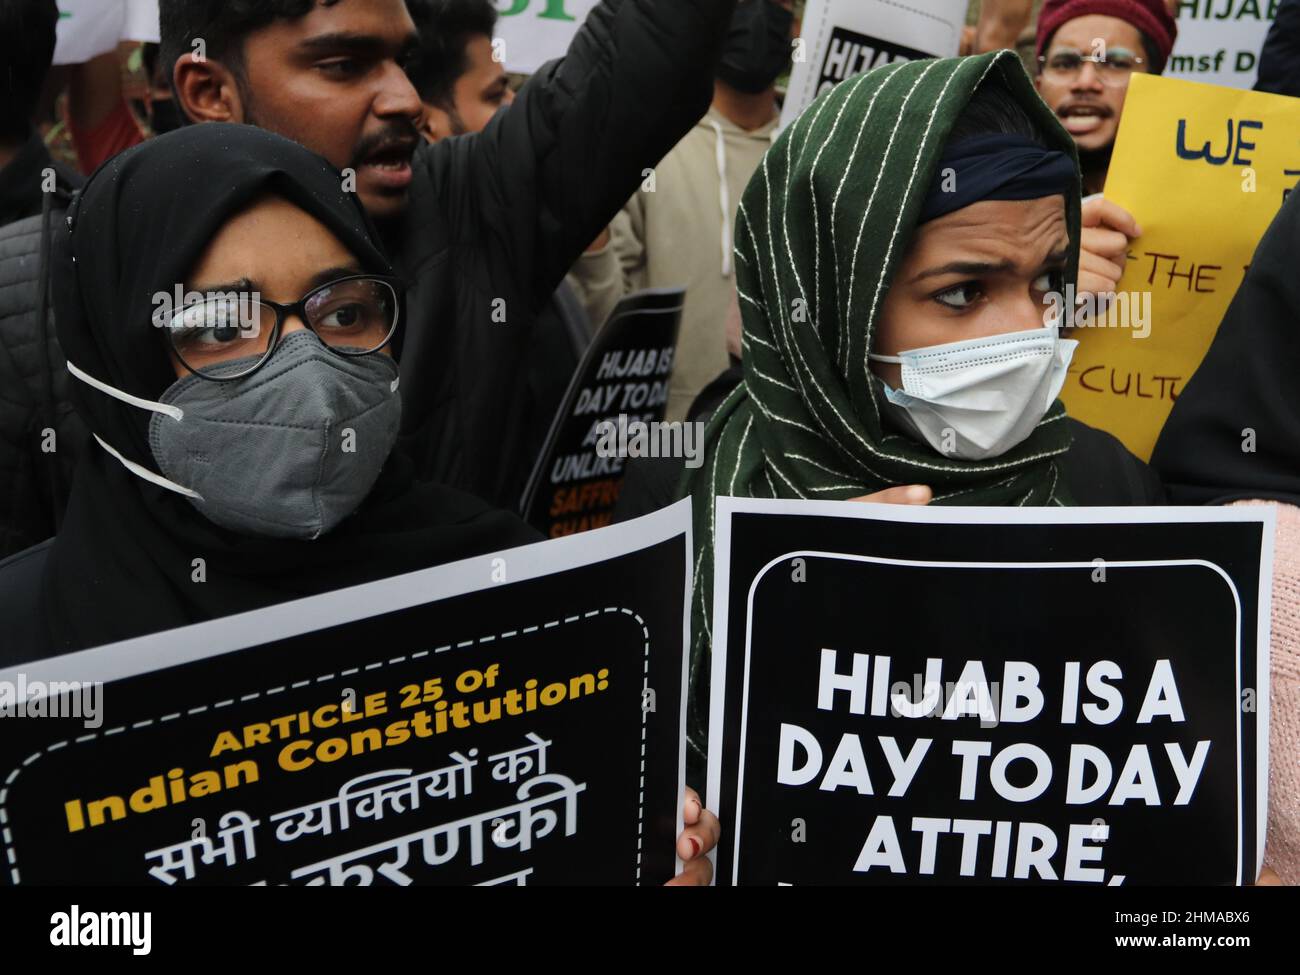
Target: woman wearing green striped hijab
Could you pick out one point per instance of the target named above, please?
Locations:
(900, 254)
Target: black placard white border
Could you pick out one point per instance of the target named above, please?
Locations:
(727, 506)
(200, 641)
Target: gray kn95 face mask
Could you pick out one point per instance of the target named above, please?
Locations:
(288, 451)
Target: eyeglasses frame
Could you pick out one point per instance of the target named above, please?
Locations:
(299, 307)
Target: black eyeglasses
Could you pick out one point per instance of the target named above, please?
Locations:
(354, 316)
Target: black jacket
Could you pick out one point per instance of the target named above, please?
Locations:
(40, 435)
(497, 218)
(1279, 62)
(23, 181)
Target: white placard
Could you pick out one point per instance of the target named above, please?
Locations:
(536, 31)
(843, 38)
(87, 29)
(1219, 41)
(141, 22)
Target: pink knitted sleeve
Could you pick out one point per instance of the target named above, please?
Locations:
(1282, 848)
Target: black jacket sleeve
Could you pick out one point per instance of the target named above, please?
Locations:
(552, 170)
(41, 436)
(1100, 471)
(1279, 62)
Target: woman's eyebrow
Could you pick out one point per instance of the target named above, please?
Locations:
(979, 268)
(242, 285)
(975, 268)
(332, 273)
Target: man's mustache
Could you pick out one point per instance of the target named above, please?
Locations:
(1101, 109)
(396, 137)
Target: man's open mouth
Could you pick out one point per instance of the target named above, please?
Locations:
(390, 164)
(1080, 119)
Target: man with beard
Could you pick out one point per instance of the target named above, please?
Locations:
(1087, 52)
(482, 227)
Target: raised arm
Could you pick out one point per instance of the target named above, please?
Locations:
(559, 163)
(1001, 23)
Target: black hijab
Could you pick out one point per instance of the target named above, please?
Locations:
(123, 564)
(1248, 383)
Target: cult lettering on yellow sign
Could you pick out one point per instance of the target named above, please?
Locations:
(1203, 170)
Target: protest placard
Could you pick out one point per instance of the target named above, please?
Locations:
(1219, 40)
(88, 28)
(843, 38)
(1203, 170)
(907, 695)
(531, 32)
(510, 719)
(611, 412)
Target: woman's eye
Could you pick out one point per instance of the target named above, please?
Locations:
(344, 316)
(202, 325)
(1050, 282)
(225, 332)
(960, 297)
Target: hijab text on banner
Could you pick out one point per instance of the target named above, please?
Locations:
(911, 695)
(1219, 40)
(843, 38)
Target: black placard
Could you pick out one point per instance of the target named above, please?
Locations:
(622, 379)
(514, 718)
(850, 53)
(1135, 608)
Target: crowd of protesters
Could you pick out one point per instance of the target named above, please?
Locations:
(433, 246)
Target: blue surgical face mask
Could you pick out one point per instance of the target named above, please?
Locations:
(980, 397)
(288, 451)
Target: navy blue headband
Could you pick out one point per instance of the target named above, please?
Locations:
(997, 167)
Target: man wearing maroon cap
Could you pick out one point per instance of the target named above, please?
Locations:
(1087, 52)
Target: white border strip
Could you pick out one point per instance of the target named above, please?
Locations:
(170, 648)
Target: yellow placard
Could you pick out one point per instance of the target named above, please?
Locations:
(1203, 170)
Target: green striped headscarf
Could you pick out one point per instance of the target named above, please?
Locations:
(821, 228)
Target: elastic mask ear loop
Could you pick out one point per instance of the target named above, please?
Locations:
(175, 412)
(147, 474)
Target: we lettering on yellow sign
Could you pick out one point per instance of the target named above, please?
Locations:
(1203, 170)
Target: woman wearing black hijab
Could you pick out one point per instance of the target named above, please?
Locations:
(245, 438)
(211, 496)
(1234, 437)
